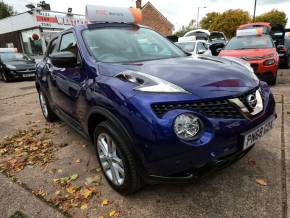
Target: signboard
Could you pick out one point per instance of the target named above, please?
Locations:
(103, 14)
(56, 20)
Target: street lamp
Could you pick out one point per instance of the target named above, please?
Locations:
(254, 18)
(197, 20)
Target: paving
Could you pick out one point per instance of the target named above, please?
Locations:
(256, 186)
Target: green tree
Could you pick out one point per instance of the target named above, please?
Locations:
(275, 17)
(5, 10)
(185, 29)
(208, 20)
(229, 21)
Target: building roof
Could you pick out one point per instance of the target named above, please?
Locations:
(163, 17)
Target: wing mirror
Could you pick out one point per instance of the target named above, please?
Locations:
(218, 50)
(63, 59)
(201, 51)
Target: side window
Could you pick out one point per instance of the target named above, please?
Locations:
(52, 47)
(68, 43)
(201, 47)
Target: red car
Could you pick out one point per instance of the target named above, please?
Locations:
(257, 49)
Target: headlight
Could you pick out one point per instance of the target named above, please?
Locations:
(269, 62)
(10, 67)
(148, 83)
(187, 126)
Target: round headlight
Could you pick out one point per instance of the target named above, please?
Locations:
(187, 126)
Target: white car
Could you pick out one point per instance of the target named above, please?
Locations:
(197, 47)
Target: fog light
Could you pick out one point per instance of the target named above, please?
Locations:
(187, 126)
(269, 62)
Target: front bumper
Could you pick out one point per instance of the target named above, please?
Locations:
(164, 155)
(264, 73)
(21, 74)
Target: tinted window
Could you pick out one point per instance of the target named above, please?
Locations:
(68, 43)
(129, 45)
(53, 47)
(8, 57)
(201, 46)
(250, 42)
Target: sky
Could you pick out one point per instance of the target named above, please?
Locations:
(179, 12)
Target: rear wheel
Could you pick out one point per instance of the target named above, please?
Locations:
(116, 160)
(47, 112)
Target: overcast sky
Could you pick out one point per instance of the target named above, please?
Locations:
(179, 12)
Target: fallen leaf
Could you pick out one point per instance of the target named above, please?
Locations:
(74, 177)
(95, 179)
(252, 162)
(101, 217)
(84, 146)
(87, 192)
(84, 206)
(71, 189)
(59, 170)
(78, 161)
(288, 112)
(261, 182)
(113, 213)
(105, 202)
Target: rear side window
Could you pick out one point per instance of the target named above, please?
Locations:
(68, 43)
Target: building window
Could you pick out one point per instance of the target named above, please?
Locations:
(32, 46)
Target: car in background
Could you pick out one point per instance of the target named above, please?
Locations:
(285, 50)
(277, 32)
(217, 41)
(258, 49)
(15, 65)
(195, 47)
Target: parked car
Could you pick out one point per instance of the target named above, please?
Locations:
(153, 112)
(197, 47)
(285, 50)
(14, 65)
(259, 50)
(277, 32)
(217, 41)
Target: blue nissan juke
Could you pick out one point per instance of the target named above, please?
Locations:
(154, 112)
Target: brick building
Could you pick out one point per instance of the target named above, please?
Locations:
(155, 19)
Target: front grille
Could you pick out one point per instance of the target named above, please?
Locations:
(217, 108)
(27, 71)
(212, 109)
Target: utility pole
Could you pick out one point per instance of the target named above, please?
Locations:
(197, 20)
(254, 18)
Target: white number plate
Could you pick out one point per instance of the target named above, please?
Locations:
(251, 137)
(28, 75)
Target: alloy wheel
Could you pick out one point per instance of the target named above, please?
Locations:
(43, 104)
(110, 159)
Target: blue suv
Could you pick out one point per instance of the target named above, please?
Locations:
(153, 112)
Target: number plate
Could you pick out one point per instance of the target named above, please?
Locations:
(252, 136)
(28, 75)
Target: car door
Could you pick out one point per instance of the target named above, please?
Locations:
(68, 81)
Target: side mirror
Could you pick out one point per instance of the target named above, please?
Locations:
(63, 59)
(218, 50)
(201, 51)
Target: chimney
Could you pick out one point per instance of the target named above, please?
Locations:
(138, 4)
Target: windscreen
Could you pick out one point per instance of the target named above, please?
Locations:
(186, 46)
(249, 42)
(9, 57)
(113, 45)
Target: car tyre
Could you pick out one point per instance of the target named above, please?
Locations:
(116, 160)
(47, 112)
(5, 77)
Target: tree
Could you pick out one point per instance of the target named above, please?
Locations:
(5, 10)
(207, 21)
(275, 17)
(185, 29)
(226, 22)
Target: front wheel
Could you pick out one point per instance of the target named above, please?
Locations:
(116, 160)
(47, 112)
(5, 77)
